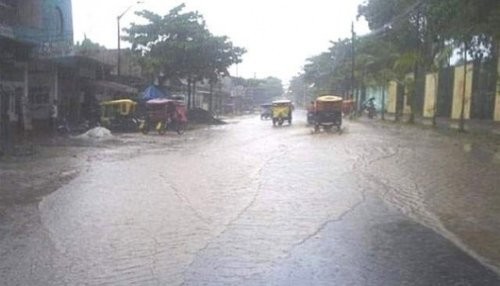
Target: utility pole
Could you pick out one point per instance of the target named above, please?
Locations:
(353, 54)
(118, 18)
(118, 65)
(416, 67)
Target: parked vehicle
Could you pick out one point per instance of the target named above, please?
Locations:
(163, 115)
(282, 111)
(119, 115)
(265, 111)
(328, 113)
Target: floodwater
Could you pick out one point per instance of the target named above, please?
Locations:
(249, 204)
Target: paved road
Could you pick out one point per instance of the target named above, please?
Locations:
(240, 204)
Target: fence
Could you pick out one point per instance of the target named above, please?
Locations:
(443, 93)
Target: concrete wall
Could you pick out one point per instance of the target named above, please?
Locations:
(30, 13)
(392, 97)
(48, 24)
(458, 92)
(407, 103)
(497, 98)
(431, 89)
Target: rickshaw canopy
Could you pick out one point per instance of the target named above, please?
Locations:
(282, 101)
(329, 98)
(159, 101)
(153, 92)
(328, 103)
(122, 106)
(118, 102)
(161, 108)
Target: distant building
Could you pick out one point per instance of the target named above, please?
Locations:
(128, 66)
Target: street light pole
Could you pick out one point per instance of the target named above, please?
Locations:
(118, 66)
(118, 18)
(353, 63)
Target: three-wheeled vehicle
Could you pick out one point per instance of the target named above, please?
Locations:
(328, 113)
(265, 111)
(165, 114)
(282, 111)
(119, 115)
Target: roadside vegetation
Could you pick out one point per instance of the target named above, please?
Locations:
(179, 46)
(408, 39)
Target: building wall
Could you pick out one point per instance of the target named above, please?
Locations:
(407, 103)
(431, 81)
(458, 92)
(392, 97)
(497, 97)
(30, 14)
(48, 24)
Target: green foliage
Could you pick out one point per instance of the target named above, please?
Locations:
(261, 90)
(88, 47)
(180, 46)
(408, 37)
(300, 90)
(330, 72)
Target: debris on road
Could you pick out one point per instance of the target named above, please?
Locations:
(98, 133)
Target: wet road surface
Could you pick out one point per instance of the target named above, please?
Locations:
(240, 204)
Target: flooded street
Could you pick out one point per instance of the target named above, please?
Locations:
(249, 204)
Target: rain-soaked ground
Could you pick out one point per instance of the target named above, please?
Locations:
(249, 204)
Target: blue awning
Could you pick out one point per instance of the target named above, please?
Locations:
(153, 92)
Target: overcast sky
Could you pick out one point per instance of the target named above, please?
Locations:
(278, 34)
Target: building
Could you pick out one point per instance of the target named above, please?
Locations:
(39, 67)
(28, 29)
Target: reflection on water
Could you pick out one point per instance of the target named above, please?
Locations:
(229, 200)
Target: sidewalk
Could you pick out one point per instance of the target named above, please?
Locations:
(39, 165)
(471, 125)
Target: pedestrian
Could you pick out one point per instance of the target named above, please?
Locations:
(54, 114)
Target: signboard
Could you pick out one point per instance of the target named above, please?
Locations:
(54, 49)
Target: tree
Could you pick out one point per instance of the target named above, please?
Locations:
(259, 90)
(300, 90)
(471, 28)
(413, 28)
(179, 46)
(264, 90)
(87, 47)
(408, 37)
(423, 30)
(330, 72)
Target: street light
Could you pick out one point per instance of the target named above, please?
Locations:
(118, 18)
